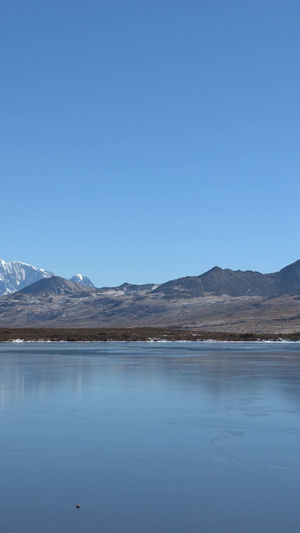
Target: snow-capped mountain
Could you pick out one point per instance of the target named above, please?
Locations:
(17, 275)
(82, 280)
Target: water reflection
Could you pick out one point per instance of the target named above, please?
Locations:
(216, 368)
(149, 437)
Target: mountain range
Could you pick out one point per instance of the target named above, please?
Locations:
(218, 300)
(17, 275)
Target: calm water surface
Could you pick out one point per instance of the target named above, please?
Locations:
(149, 437)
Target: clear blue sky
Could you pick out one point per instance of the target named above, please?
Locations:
(146, 140)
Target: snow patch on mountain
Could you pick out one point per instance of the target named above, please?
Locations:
(16, 275)
(82, 280)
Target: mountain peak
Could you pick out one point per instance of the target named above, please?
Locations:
(292, 267)
(55, 285)
(82, 280)
(213, 270)
(16, 275)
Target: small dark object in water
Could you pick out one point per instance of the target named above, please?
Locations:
(77, 506)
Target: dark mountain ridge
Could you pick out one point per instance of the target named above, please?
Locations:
(55, 285)
(216, 281)
(235, 283)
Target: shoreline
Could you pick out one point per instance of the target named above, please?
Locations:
(138, 334)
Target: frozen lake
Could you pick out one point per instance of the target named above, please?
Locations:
(150, 437)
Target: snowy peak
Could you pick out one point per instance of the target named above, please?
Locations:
(82, 280)
(17, 275)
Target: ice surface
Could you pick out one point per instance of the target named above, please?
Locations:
(150, 437)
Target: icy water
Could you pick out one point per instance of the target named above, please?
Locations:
(149, 437)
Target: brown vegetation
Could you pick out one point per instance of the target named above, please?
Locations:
(133, 334)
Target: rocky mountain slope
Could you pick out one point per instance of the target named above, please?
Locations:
(234, 283)
(218, 300)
